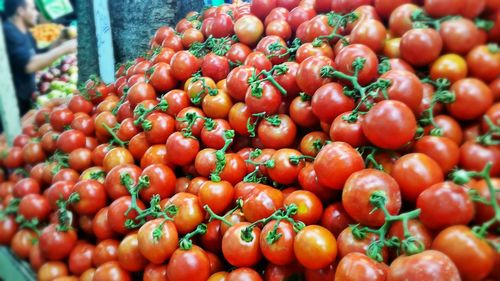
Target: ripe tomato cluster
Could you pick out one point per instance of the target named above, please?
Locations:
(277, 140)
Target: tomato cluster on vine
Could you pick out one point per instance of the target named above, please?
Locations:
(277, 140)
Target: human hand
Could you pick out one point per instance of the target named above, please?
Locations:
(69, 46)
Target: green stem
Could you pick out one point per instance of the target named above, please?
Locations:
(114, 138)
(185, 243)
(220, 156)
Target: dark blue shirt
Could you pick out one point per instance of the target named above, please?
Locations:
(21, 47)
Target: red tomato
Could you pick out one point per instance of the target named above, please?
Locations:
(343, 157)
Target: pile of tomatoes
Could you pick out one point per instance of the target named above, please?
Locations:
(277, 140)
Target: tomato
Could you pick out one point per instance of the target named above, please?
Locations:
(443, 150)
(385, 7)
(177, 100)
(33, 153)
(215, 66)
(239, 252)
(129, 254)
(117, 216)
(277, 136)
(217, 104)
(345, 58)
(8, 228)
(216, 195)
(80, 159)
(416, 229)
(189, 214)
(155, 272)
(329, 101)
(34, 206)
(404, 87)
(309, 206)
(343, 157)
(358, 190)
(190, 36)
(155, 154)
(198, 123)
(419, 39)
(161, 182)
(57, 191)
(389, 124)
(162, 77)
(455, 206)
(449, 127)
(416, 172)
(315, 247)
(484, 212)
(35, 258)
(268, 101)
(459, 35)
(139, 92)
(184, 65)
(369, 32)
(470, 91)
(249, 29)
(284, 170)
(349, 132)
(92, 197)
(60, 118)
(243, 274)
(192, 264)
(261, 202)
(280, 251)
(441, 8)
(357, 266)
(427, 265)
(400, 19)
(115, 157)
(55, 244)
(26, 186)
(158, 127)
(105, 251)
(483, 63)
(22, 242)
(279, 28)
(80, 258)
(70, 140)
(450, 66)
(456, 240)
(113, 183)
(237, 81)
(111, 271)
(51, 270)
(308, 74)
(474, 157)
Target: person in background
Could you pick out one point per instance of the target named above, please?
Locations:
(18, 17)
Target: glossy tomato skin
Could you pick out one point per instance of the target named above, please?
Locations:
(129, 254)
(347, 244)
(484, 212)
(389, 124)
(105, 251)
(243, 274)
(329, 101)
(239, 252)
(190, 212)
(349, 54)
(56, 245)
(418, 267)
(457, 240)
(415, 172)
(92, 197)
(116, 213)
(280, 136)
(111, 271)
(358, 189)
(455, 207)
(441, 149)
(281, 251)
(261, 202)
(357, 266)
(343, 157)
(474, 157)
(8, 228)
(417, 230)
(192, 264)
(418, 39)
(22, 242)
(315, 247)
(470, 91)
(308, 74)
(80, 258)
(405, 87)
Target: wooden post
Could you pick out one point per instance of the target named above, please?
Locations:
(104, 41)
(9, 110)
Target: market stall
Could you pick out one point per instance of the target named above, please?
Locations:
(270, 140)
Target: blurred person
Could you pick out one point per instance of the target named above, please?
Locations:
(19, 16)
